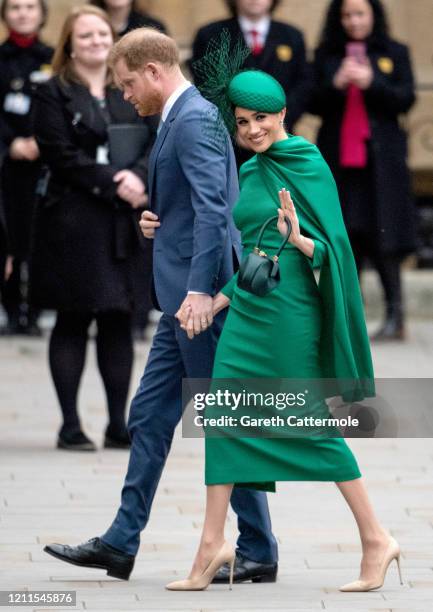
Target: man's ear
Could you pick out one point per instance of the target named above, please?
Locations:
(152, 70)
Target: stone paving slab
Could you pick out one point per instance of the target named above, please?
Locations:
(47, 495)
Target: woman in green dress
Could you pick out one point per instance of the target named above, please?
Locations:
(301, 330)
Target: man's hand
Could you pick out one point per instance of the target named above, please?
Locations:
(148, 223)
(195, 314)
(24, 149)
(130, 188)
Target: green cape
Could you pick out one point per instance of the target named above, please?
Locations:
(298, 165)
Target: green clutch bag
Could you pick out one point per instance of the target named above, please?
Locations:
(258, 273)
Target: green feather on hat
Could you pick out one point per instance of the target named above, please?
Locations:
(226, 85)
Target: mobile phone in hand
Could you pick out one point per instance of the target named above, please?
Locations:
(357, 50)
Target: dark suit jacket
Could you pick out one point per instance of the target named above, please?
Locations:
(137, 19)
(283, 57)
(391, 93)
(192, 188)
(85, 236)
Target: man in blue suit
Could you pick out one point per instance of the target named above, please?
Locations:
(192, 186)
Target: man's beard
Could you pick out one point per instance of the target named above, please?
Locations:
(151, 105)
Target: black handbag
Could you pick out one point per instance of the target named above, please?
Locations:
(258, 273)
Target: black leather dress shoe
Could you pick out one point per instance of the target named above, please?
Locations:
(117, 439)
(245, 569)
(94, 553)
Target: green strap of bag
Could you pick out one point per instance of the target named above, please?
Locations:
(259, 273)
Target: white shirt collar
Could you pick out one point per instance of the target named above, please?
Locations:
(261, 27)
(172, 99)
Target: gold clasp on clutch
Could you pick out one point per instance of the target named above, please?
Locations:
(262, 254)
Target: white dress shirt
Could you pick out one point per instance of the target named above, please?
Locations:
(172, 99)
(261, 27)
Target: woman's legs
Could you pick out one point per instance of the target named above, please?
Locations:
(374, 538)
(115, 357)
(67, 353)
(212, 537)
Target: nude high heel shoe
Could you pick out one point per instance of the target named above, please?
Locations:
(392, 552)
(226, 554)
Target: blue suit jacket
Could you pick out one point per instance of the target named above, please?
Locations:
(193, 186)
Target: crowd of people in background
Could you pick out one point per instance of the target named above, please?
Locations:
(69, 235)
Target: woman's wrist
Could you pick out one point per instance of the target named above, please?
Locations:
(298, 241)
(220, 302)
(305, 245)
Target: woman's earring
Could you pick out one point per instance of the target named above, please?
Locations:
(281, 122)
(72, 55)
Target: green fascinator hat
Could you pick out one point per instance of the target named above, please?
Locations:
(225, 84)
(257, 90)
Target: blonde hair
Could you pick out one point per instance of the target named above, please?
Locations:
(62, 64)
(144, 45)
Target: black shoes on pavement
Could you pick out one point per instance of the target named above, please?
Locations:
(245, 570)
(76, 440)
(117, 439)
(96, 554)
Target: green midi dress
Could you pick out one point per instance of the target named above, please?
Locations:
(282, 335)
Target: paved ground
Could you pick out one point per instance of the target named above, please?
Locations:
(47, 495)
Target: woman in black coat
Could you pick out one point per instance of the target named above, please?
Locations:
(24, 62)
(125, 16)
(87, 241)
(361, 90)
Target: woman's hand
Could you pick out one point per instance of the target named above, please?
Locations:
(130, 188)
(360, 74)
(24, 149)
(185, 313)
(354, 72)
(195, 314)
(287, 211)
(341, 78)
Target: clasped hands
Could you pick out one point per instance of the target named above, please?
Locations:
(195, 314)
(197, 311)
(354, 72)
